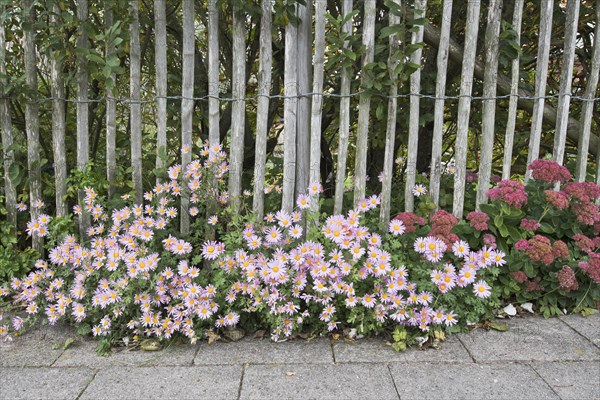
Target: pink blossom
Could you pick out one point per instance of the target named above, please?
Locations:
(549, 171)
(478, 220)
(559, 199)
(566, 279)
(584, 192)
(410, 220)
(529, 224)
(511, 192)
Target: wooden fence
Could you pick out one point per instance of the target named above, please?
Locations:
(304, 91)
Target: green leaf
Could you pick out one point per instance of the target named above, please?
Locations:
(528, 268)
(498, 326)
(14, 173)
(95, 58)
(68, 342)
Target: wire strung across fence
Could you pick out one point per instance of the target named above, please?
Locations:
(308, 95)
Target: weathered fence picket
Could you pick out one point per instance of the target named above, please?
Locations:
(160, 65)
(390, 129)
(509, 136)
(187, 104)
(566, 76)
(344, 129)
(135, 107)
(8, 152)
(317, 100)
(364, 105)
(490, 78)
(588, 108)
(438, 116)
(541, 77)
(262, 111)
(464, 106)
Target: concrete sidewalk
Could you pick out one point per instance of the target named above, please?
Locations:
(536, 359)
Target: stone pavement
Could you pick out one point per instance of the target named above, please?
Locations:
(535, 359)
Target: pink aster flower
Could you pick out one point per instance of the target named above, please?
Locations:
(450, 319)
(482, 289)
(460, 248)
(211, 250)
(303, 201)
(314, 188)
(419, 190)
(21, 206)
(396, 227)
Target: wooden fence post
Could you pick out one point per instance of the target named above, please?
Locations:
(6, 126)
(289, 116)
(160, 62)
(415, 101)
(438, 114)
(262, 111)
(390, 131)
(490, 79)
(566, 75)
(541, 76)
(364, 107)
(304, 45)
(344, 131)
(135, 106)
(238, 92)
(213, 74)
(111, 111)
(464, 106)
(588, 108)
(514, 95)
(187, 105)
(32, 123)
(317, 99)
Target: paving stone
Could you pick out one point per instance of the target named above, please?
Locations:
(255, 351)
(221, 382)
(376, 350)
(43, 383)
(469, 381)
(572, 380)
(39, 347)
(83, 353)
(530, 339)
(342, 381)
(588, 327)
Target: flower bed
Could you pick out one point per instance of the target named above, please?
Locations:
(133, 278)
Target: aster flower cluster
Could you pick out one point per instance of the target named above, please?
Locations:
(511, 192)
(549, 171)
(291, 281)
(446, 279)
(118, 279)
(38, 226)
